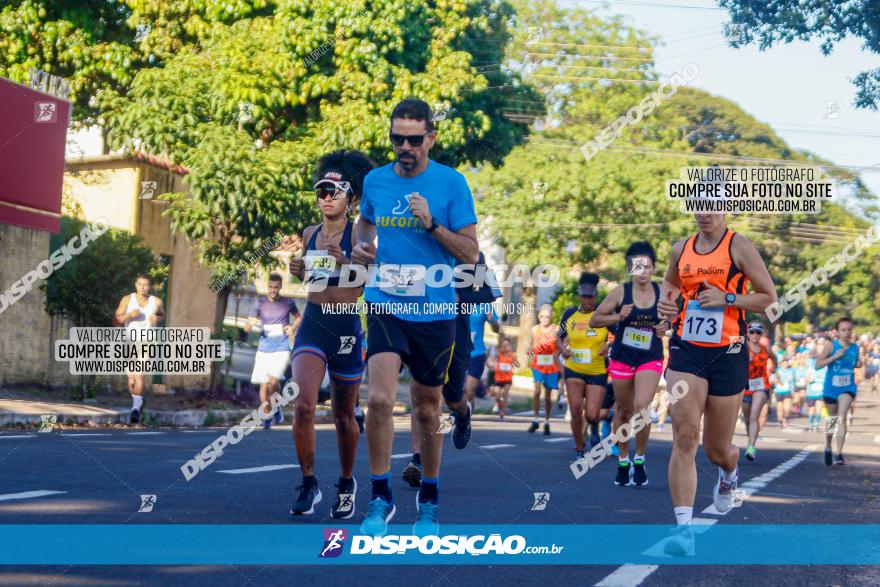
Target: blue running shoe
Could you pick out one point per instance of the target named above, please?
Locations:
(594, 438)
(426, 524)
(615, 452)
(279, 416)
(267, 423)
(379, 513)
(606, 428)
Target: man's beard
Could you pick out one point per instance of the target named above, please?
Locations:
(407, 164)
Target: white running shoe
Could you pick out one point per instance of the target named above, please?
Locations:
(681, 543)
(724, 494)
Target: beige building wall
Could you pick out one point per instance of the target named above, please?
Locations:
(190, 301)
(24, 324)
(105, 189)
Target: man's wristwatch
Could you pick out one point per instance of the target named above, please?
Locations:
(730, 299)
(433, 227)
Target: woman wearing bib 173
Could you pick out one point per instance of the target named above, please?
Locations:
(842, 358)
(636, 355)
(708, 364)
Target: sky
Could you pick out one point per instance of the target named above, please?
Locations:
(787, 86)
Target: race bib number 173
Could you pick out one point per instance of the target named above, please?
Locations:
(702, 324)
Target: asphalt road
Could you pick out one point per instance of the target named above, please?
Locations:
(99, 476)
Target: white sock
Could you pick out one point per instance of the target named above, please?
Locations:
(136, 402)
(623, 459)
(683, 514)
(537, 420)
(728, 477)
(639, 457)
(546, 420)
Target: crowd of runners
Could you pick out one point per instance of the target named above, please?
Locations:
(679, 324)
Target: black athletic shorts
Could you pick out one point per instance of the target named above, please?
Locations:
(609, 399)
(588, 379)
(833, 400)
(453, 387)
(425, 347)
(726, 373)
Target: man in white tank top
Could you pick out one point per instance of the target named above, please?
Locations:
(139, 310)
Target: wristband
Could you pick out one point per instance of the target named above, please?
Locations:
(433, 227)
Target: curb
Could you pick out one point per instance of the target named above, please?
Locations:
(181, 418)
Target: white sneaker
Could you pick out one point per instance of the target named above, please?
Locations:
(724, 494)
(567, 415)
(681, 543)
(495, 409)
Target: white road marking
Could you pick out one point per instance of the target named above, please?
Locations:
(627, 576)
(632, 575)
(766, 478)
(494, 446)
(142, 433)
(792, 430)
(29, 494)
(877, 439)
(403, 455)
(257, 469)
(562, 439)
(83, 434)
(18, 436)
(698, 526)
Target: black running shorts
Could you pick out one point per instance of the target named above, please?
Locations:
(726, 373)
(425, 347)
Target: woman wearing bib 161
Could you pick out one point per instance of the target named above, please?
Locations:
(708, 364)
(636, 355)
(841, 357)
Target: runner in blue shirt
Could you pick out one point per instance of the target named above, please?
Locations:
(416, 220)
(786, 377)
(842, 359)
(478, 322)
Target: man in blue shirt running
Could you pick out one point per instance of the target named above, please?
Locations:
(416, 219)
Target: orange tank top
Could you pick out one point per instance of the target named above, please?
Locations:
(710, 327)
(758, 368)
(504, 370)
(542, 352)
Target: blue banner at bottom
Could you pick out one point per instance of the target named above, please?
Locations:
(722, 544)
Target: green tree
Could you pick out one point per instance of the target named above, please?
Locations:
(547, 202)
(770, 22)
(99, 45)
(250, 111)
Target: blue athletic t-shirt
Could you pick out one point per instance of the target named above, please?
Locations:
(404, 245)
(478, 328)
(786, 380)
(840, 376)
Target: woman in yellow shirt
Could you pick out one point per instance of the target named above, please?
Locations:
(584, 349)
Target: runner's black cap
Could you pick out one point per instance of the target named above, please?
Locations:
(588, 284)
